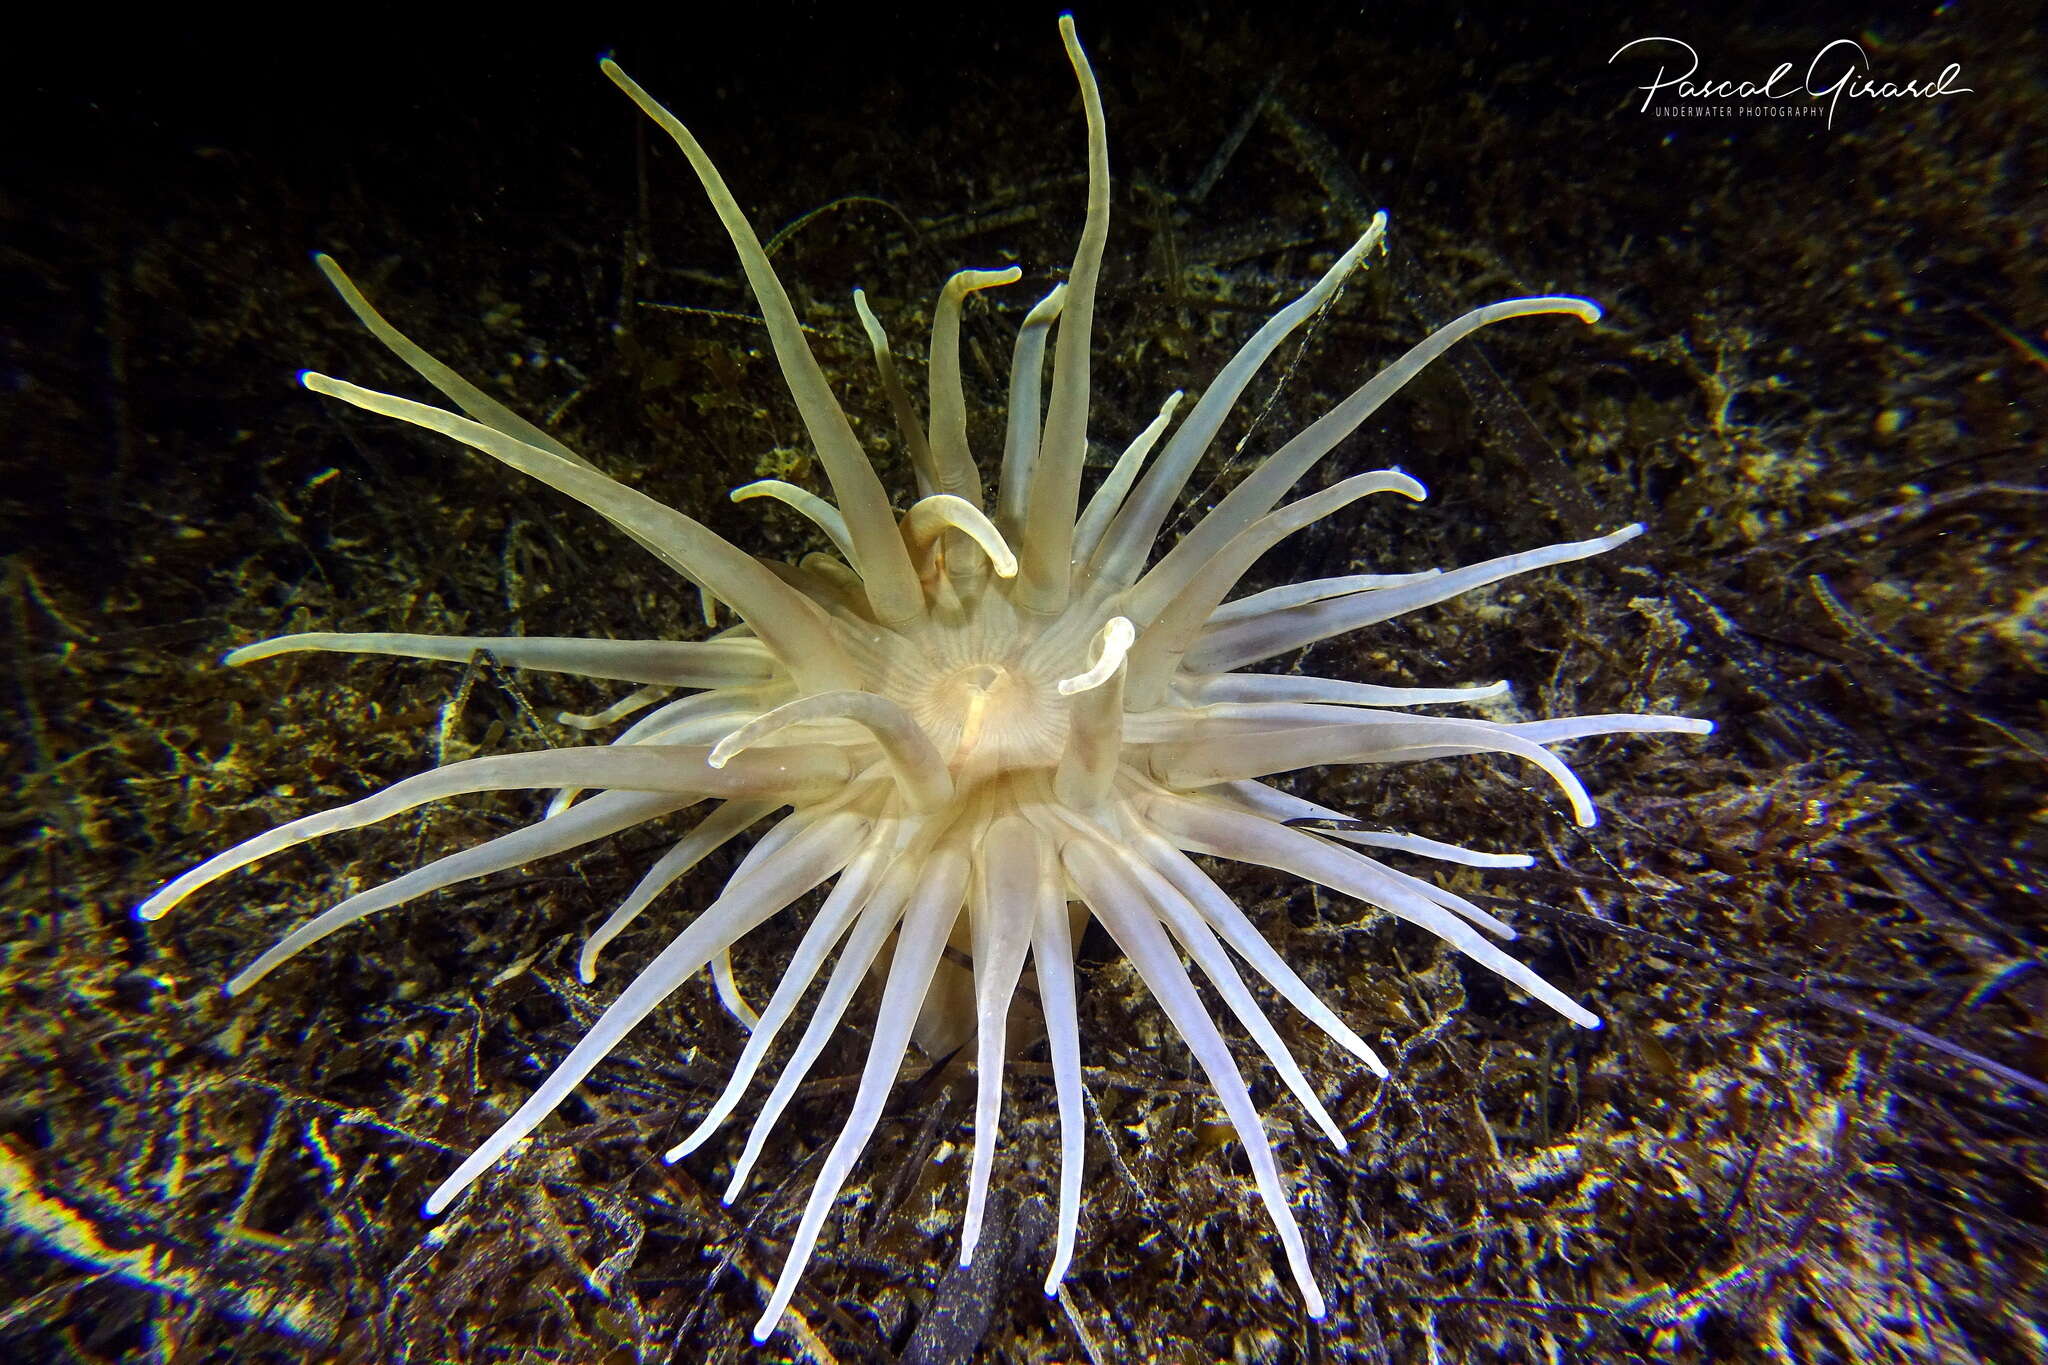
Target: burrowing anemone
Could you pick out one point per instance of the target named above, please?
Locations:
(988, 718)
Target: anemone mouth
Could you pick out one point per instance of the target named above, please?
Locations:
(989, 716)
(978, 715)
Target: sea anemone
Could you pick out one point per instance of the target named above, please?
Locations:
(988, 718)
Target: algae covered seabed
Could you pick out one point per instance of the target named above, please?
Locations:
(1813, 1126)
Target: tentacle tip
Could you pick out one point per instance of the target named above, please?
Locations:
(1113, 644)
(676, 1153)
(1588, 311)
(239, 985)
(1316, 1307)
(1586, 1019)
(307, 378)
(617, 75)
(765, 1329)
